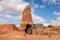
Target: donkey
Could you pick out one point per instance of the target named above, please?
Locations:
(28, 29)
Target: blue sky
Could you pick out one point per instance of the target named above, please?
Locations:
(47, 9)
(43, 11)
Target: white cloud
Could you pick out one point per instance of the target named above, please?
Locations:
(56, 22)
(56, 13)
(42, 6)
(1, 8)
(8, 16)
(52, 1)
(46, 24)
(18, 17)
(2, 20)
(16, 6)
(44, 0)
(37, 19)
(8, 7)
(58, 18)
(36, 6)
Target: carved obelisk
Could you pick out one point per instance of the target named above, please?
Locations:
(26, 17)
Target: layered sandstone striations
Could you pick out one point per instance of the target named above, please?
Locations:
(7, 28)
(26, 17)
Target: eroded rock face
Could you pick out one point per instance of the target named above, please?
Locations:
(26, 17)
(6, 28)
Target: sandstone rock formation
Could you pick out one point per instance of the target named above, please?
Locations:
(26, 17)
(6, 28)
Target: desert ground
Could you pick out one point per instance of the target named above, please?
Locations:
(30, 37)
(47, 34)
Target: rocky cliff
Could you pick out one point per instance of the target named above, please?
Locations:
(26, 17)
(7, 28)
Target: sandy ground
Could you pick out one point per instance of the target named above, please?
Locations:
(30, 37)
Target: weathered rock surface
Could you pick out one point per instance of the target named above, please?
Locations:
(26, 17)
(7, 28)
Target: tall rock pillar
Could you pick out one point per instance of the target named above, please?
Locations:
(26, 17)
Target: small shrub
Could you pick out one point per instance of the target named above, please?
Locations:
(45, 33)
(49, 35)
